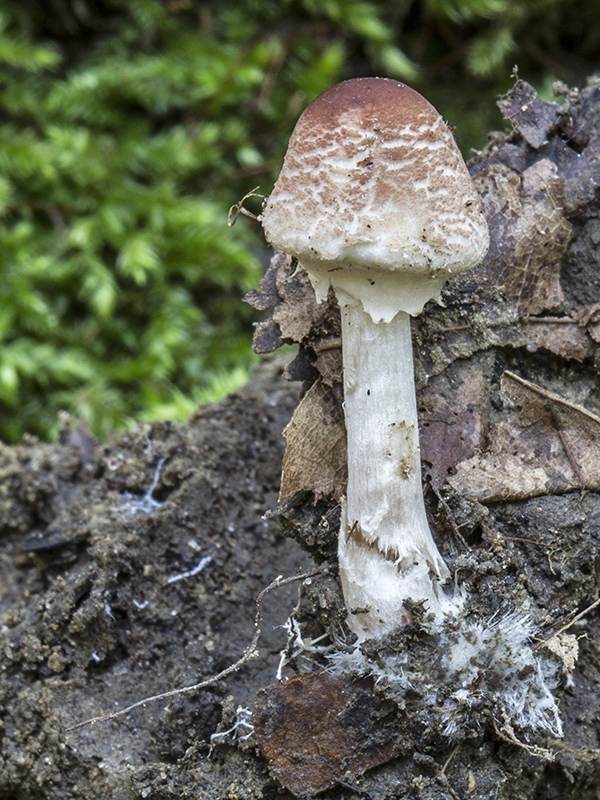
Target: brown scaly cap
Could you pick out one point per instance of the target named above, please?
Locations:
(373, 180)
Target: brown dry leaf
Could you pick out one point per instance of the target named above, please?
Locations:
(442, 340)
(290, 294)
(568, 135)
(315, 455)
(528, 234)
(329, 364)
(552, 446)
(566, 647)
(589, 317)
(267, 337)
(534, 119)
(267, 294)
(563, 336)
(581, 168)
(296, 313)
(319, 729)
(452, 419)
(492, 477)
(299, 311)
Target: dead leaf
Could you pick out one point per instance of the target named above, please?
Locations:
(528, 234)
(534, 119)
(319, 729)
(566, 647)
(299, 311)
(267, 337)
(439, 344)
(315, 454)
(452, 419)
(267, 295)
(296, 314)
(329, 363)
(562, 336)
(589, 317)
(551, 446)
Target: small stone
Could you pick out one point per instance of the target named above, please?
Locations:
(57, 662)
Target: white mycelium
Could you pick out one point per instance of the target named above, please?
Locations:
(470, 673)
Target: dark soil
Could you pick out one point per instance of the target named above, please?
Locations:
(91, 623)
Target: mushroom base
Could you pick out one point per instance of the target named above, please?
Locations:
(376, 589)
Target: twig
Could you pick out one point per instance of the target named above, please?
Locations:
(249, 653)
(565, 445)
(450, 518)
(238, 208)
(493, 538)
(526, 320)
(567, 625)
(507, 735)
(449, 759)
(588, 754)
(442, 778)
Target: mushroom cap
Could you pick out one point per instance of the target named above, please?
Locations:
(375, 199)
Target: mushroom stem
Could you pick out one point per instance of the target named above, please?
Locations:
(386, 551)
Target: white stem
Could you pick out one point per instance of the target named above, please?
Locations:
(386, 551)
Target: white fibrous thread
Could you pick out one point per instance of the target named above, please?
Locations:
(142, 504)
(297, 647)
(478, 666)
(518, 680)
(191, 573)
(242, 728)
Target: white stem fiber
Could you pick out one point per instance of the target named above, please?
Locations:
(386, 550)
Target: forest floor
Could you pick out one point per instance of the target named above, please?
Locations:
(130, 569)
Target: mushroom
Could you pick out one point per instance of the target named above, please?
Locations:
(375, 200)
